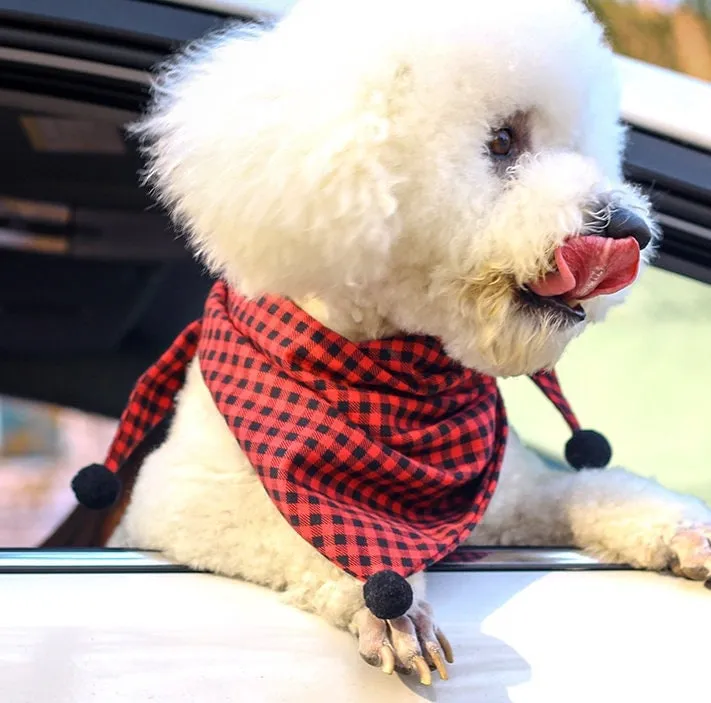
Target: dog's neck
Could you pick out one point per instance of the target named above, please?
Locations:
(357, 324)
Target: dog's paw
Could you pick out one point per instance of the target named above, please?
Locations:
(691, 553)
(409, 644)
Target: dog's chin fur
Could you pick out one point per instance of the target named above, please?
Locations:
(342, 156)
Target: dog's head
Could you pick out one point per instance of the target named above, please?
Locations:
(450, 169)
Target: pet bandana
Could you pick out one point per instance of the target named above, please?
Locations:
(383, 455)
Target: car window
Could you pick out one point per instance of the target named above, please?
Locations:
(642, 378)
(674, 34)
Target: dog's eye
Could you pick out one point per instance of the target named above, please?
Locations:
(501, 142)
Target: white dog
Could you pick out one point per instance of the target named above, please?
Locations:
(398, 167)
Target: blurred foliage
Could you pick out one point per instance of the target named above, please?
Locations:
(675, 35)
(28, 429)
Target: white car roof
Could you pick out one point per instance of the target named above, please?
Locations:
(271, 8)
(666, 102)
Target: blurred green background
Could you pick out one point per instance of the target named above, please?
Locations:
(643, 378)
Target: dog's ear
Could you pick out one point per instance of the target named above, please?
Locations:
(272, 160)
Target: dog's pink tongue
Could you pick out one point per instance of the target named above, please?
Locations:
(589, 266)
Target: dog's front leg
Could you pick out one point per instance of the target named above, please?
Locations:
(611, 513)
(198, 500)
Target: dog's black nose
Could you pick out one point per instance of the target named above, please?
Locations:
(625, 223)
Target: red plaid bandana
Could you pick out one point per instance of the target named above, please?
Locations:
(383, 454)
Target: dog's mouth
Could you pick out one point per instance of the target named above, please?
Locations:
(563, 311)
(585, 267)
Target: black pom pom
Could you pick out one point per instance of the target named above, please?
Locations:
(96, 487)
(387, 595)
(588, 449)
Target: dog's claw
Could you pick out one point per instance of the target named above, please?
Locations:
(408, 644)
(439, 665)
(423, 670)
(387, 659)
(446, 647)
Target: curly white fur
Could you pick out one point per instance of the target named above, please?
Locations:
(341, 155)
(339, 159)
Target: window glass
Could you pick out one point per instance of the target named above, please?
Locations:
(675, 34)
(642, 378)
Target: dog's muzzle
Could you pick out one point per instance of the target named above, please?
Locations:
(588, 266)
